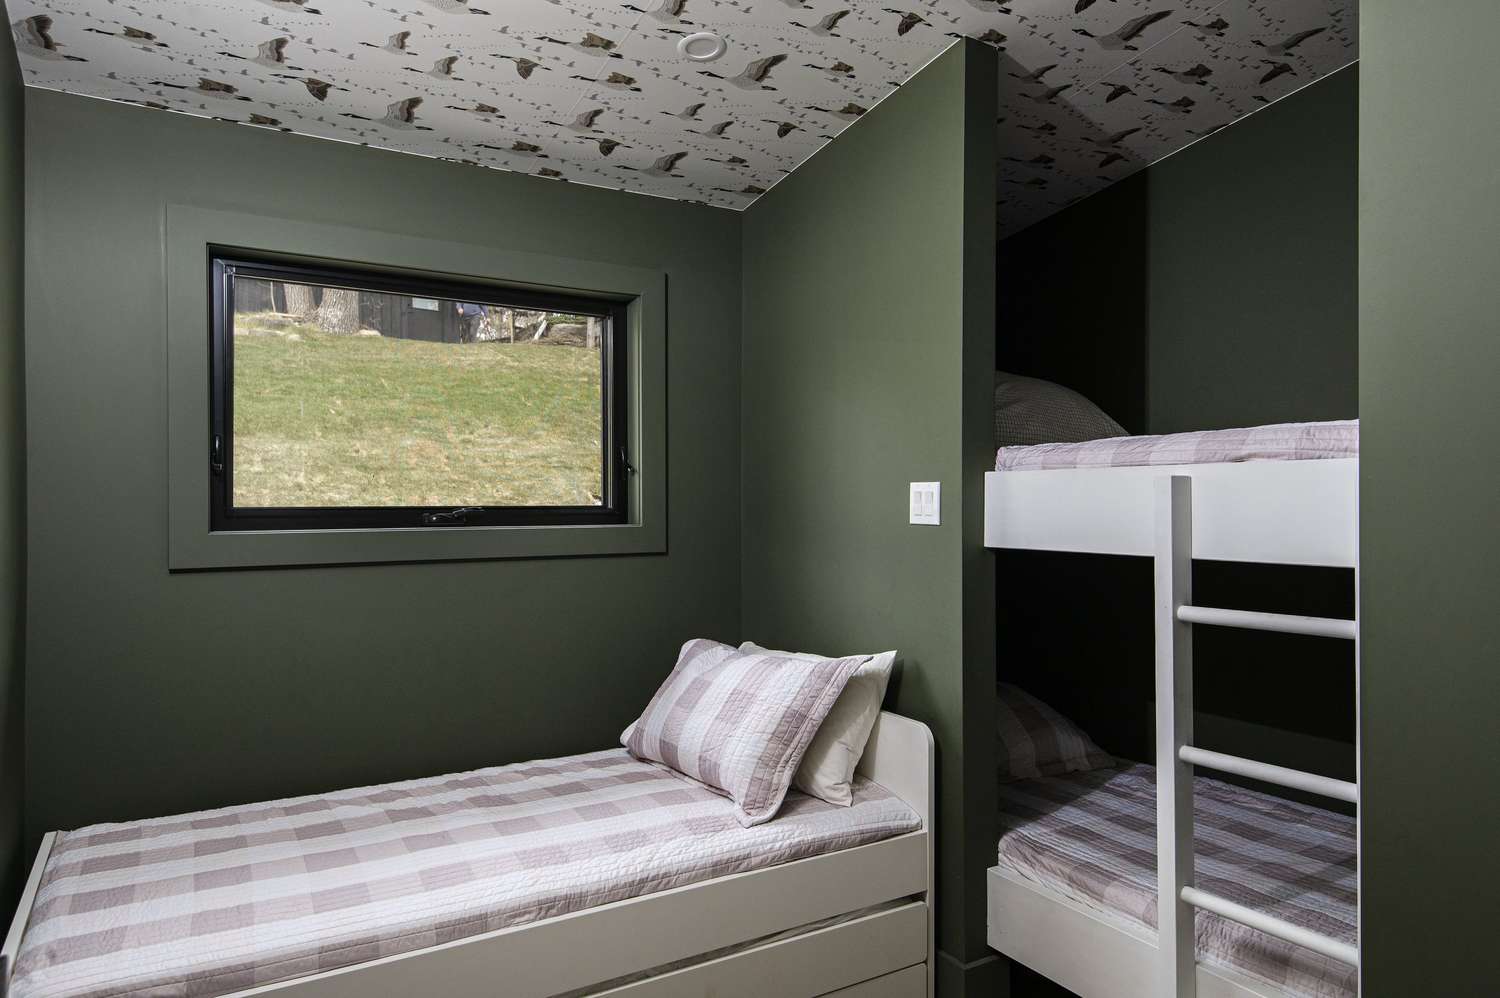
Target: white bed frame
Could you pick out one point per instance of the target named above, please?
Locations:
(885, 954)
(1287, 512)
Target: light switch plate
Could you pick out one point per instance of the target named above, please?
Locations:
(926, 503)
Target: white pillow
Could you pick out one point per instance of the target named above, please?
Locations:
(740, 722)
(827, 768)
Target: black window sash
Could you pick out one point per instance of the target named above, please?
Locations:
(228, 264)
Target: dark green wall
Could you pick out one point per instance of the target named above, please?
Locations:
(1215, 289)
(150, 692)
(868, 345)
(1429, 497)
(1252, 268)
(12, 473)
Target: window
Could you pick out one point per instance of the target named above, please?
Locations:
(351, 398)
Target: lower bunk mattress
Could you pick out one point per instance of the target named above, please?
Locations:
(220, 901)
(1091, 839)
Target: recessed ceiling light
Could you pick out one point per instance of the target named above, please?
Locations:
(702, 46)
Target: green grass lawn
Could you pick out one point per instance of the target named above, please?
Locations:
(325, 420)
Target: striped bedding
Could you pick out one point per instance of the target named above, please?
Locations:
(209, 903)
(1091, 837)
(1277, 442)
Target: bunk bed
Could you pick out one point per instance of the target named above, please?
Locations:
(597, 874)
(1073, 895)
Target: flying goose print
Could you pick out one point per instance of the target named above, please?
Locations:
(826, 26)
(316, 88)
(664, 166)
(848, 112)
(479, 109)
(552, 73)
(665, 11)
(1122, 37)
(395, 44)
(716, 130)
(33, 37)
(524, 66)
(135, 36)
(270, 53)
(908, 20)
(519, 148)
(1196, 74)
(1286, 45)
(838, 68)
(1277, 69)
(401, 115)
(590, 45)
(615, 81)
(206, 87)
(442, 69)
(753, 76)
(583, 122)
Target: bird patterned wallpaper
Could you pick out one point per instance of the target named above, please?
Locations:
(595, 92)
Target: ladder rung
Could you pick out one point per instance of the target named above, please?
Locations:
(1296, 779)
(1334, 949)
(1284, 623)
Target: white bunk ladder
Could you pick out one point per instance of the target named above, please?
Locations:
(1177, 895)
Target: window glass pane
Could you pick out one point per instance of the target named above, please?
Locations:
(345, 398)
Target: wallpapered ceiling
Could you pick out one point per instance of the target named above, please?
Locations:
(594, 91)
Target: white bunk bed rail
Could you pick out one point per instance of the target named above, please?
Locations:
(1175, 545)
(1283, 512)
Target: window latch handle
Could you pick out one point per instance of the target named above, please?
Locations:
(450, 517)
(216, 454)
(625, 463)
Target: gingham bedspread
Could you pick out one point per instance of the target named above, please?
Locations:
(1091, 837)
(209, 903)
(1277, 442)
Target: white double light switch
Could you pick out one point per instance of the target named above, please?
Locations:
(926, 502)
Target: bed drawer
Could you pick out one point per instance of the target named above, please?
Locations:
(831, 960)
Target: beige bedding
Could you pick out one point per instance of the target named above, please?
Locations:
(1091, 837)
(209, 903)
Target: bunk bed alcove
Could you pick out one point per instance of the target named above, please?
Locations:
(1292, 512)
(1159, 302)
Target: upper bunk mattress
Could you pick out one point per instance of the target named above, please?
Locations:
(243, 896)
(1091, 837)
(1277, 442)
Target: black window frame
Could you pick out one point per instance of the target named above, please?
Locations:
(227, 263)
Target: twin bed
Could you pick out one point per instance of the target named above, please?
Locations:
(1262, 898)
(592, 874)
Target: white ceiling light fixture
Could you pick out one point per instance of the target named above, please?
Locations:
(702, 46)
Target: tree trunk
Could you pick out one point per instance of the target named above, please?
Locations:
(299, 300)
(339, 312)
